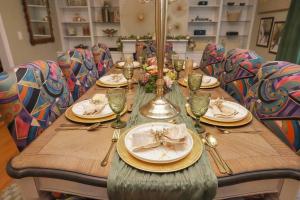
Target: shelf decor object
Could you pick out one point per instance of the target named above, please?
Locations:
(264, 31)
(160, 107)
(35, 11)
(109, 32)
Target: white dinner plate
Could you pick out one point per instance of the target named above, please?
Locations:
(242, 112)
(207, 81)
(108, 79)
(159, 154)
(136, 64)
(78, 110)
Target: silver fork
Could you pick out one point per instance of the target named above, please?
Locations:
(114, 139)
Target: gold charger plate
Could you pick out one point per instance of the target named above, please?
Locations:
(185, 162)
(101, 84)
(242, 122)
(182, 82)
(71, 116)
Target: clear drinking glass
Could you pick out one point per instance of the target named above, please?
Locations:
(199, 103)
(194, 81)
(116, 100)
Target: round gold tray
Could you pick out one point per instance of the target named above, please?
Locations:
(182, 82)
(71, 116)
(185, 162)
(99, 83)
(244, 121)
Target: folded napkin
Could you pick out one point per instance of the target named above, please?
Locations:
(175, 135)
(221, 111)
(95, 105)
(116, 78)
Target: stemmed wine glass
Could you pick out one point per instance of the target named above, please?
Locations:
(178, 66)
(194, 82)
(199, 103)
(128, 72)
(116, 100)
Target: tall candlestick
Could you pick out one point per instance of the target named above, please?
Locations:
(160, 107)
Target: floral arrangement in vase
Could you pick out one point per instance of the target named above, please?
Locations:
(149, 77)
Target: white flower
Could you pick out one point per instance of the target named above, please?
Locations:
(168, 81)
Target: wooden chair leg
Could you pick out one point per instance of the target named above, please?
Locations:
(289, 189)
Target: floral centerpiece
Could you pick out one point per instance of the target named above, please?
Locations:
(149, 77)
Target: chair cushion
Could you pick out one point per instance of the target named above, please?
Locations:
(275, 100)
(43, 96)
(212, 58)
(79, 68)
(240, 69)
(102, 58)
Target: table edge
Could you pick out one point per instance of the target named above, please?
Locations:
(102, 182)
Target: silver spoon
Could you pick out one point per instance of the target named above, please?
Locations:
(215, 158)
(212, 142)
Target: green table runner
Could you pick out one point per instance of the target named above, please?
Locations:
(195, 182)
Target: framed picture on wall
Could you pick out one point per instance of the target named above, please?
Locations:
(264, 31)
(276, 36)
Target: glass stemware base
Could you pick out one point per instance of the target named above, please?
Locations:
(118, 124)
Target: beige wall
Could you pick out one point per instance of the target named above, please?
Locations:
(14, 21)
(266, 8)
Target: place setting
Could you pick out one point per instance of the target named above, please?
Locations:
(160, 147)
(116, 80)
(99, 108)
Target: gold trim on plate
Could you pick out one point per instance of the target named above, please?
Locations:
(101, 84)
(71, 116)
(183, 83)
(242, 122)
(185, 162)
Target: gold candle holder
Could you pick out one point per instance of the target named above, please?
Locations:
(160, 107)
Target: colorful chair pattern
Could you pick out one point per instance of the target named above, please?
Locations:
(41, 96)
(275, 100)
(212, 58)
(240, 69)
(79, 68)
(148, 49)
(102, 58)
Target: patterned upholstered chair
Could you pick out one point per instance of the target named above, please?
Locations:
(148, 49)
(79, 68)
(240, 69)
(32, 99)
(275, 100)
(212, 58)
(102, 58)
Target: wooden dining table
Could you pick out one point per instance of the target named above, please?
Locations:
(69, 161)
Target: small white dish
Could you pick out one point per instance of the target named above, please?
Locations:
(135, 64)
(110, 80)
(241, 112)
(79, 108)
(159, 154)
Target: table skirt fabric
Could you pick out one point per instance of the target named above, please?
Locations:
(195, 182)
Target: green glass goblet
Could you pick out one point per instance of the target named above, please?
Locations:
(199, 103)
(116, 100)
(178, 66)
(194, 82)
